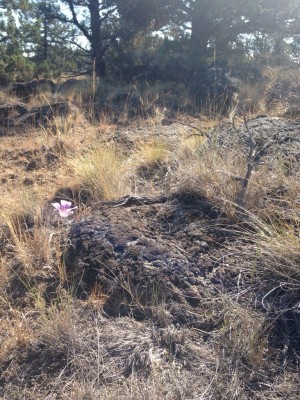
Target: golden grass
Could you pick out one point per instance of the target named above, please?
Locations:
(28, 237)
(25, 203)
(191, 145)
(243, 334)
(63, 125)
(205, 172)
(57, 328)
(201, 168)
(149, 157)
(277, 249)
(99, 172)
(14, 334)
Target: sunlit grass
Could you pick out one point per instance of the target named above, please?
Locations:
(149, 157)
(100, 173)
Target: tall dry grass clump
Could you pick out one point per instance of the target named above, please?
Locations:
(20, 214)
(270, 259)
(251, 96)
(98, 174)
(149, 157)
(277, 248)
(204, 171)
(232, 179)
(28, 235)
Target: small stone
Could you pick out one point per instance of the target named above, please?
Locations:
(31, 165)
(27, 181)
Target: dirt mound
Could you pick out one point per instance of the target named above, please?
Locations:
(143, 255)
(136, 250)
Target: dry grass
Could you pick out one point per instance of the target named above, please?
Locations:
(278, 250)
(24, 204)
(57, 329)
(29, 239)
(251, 96)
(15, 334)
(244, 335)
(117, 359)
(205, 172)
(100, 173)
(61, 125)
(149, 158)
(201, 168)
(242, 346)
(56, 346)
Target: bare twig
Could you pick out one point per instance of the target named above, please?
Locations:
(201, 132)
(240, 200)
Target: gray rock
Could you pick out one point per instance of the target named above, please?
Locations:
(275, 138)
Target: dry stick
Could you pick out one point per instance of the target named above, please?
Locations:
(201, 132)
(240, 198)
(250, 165)
(137, 200)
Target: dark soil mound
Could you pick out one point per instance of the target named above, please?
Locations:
(143, 255)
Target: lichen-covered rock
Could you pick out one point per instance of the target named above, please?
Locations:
(274, 137)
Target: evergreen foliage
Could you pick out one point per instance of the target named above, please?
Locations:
(157, 39)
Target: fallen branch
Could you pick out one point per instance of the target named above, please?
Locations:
(136, 200)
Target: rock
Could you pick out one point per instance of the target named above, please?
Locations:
(275, 138)
(27, 181)
(42, 115)
(25, 90)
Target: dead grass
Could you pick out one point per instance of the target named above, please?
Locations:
(29, 239)
(100, 173)
(55, 346)
(57, 329)
(278, 250)
(244, 335)
(251, 96)
(149, 158)
(201, 168)
(15, 334)
(203, 171)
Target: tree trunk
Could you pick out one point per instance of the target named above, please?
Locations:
(200, 32)
(45, 38)
(96, 42)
